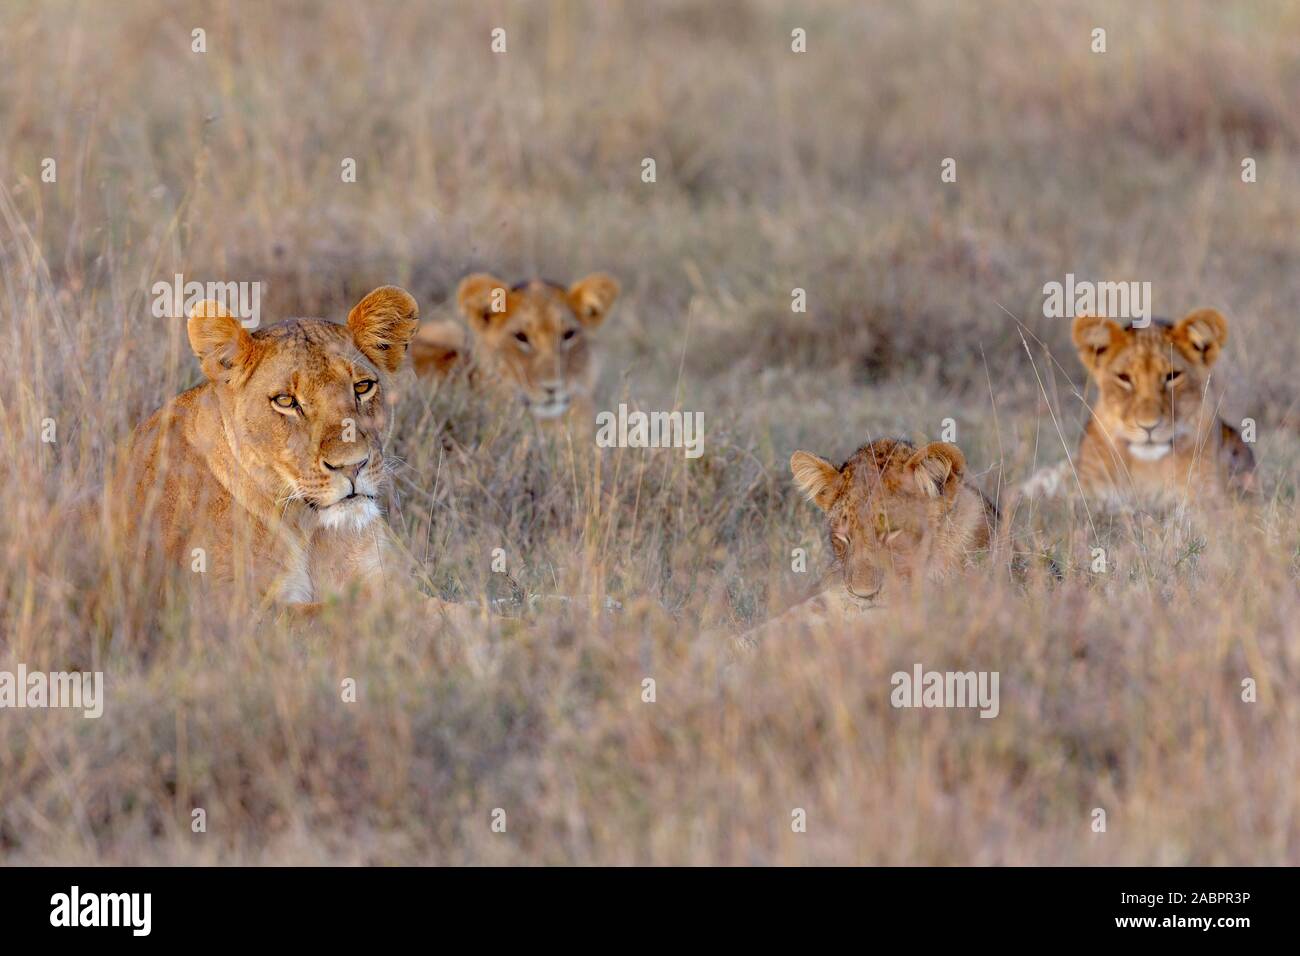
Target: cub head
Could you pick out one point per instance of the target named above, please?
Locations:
(302, 401)
(885, 509)
(536, 335)
(1152, 380)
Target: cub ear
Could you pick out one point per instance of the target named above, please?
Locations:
(937, 469)
(592, 298)
(1201, 335)
(1097, 340)
(382, 325)
(482, 299)
(816, 477)
(218, 340)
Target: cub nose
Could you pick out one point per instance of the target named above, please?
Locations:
(864, 595)
(348, 470)
(865, 583)
(1147, 418)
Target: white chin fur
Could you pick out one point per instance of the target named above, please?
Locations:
(851, 603)
(350, 515)
(1147, 452)
(554, 410)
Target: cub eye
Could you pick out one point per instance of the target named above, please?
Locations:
(1172, 377)
(569, 334)
(284, 401)
(1124, 379)
(364, 387)
(521, 338)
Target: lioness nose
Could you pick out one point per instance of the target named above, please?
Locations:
(350, 471)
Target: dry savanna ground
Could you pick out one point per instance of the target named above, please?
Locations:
(775, 170)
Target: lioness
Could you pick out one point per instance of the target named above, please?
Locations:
(1152, 437)
(893, 511)
(530, 342)
(274, 465)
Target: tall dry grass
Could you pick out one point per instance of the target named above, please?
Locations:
(1120, 691)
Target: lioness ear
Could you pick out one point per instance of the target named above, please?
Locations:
(217, 338)
(592, 298)
(1097, 339)
(1201, 335)
(816, 477)
(382, 325)
(937, 469)
(482, 298)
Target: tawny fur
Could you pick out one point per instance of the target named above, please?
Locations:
(531, 343)
(894, 511)
(282, 500)
(1153, 437)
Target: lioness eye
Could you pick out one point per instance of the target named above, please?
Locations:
(522, 338)
(364, 387)
(1172, 377)
(284, 401)
(569, 333)
(1124, 379)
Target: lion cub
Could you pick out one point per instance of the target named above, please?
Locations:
(893, 511)
(271, 470)
(1152, 436)
(530, 342)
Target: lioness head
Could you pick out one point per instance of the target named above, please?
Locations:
(894, 510)
(536, 335)
(1152, 380)
(302, 401)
